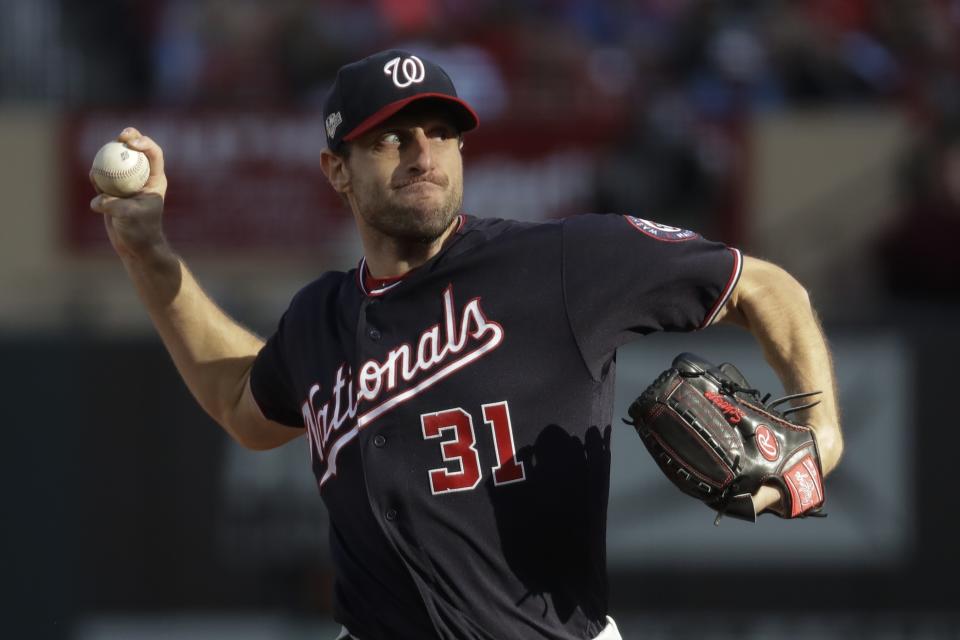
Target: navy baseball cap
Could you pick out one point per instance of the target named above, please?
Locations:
(369, 91)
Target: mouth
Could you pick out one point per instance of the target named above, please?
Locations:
(419, 185)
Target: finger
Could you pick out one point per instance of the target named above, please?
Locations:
(153, 152)
(97, 203)
(128, 134)
(106, 204)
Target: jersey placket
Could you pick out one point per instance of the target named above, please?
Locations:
(386, 452)
(382, 471)
(369, 338)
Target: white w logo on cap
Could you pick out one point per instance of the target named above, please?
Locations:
(410, 68)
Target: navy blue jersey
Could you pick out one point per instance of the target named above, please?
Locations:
(459, 418)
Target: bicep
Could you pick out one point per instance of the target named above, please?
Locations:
(761, 283)
(252, 429)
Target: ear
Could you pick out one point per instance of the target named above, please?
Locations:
(336, 169)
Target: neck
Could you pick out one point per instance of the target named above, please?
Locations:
(388, 256)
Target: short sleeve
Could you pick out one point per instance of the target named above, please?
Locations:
(270, 381)
(624, 276)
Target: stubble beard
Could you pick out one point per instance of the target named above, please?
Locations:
(408, 222)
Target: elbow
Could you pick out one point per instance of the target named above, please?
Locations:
(831, 453)
(236, 434)
(787, 288)
(256, 433)
(252, 444)
(786, 292)
(248, 438)
(800, 293)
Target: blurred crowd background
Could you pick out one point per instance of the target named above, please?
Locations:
(821, 134)
(665, 97)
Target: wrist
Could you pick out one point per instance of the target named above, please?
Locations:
(829, 448)
(156, 274)
(149, 256)
(768, 496)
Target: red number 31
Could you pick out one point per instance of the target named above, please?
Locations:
(461, 447)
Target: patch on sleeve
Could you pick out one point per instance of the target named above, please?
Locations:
(660, 231)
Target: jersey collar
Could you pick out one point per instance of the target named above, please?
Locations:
(374, 287)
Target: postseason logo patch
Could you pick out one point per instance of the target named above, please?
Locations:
(334, 120)
(660, 231)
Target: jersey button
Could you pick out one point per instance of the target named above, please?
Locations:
(379, 440)
(391, 514)
(374, 334)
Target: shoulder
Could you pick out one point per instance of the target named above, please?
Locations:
(481, 231)
(585, 231)
(490, 228)
(601, 223)
(500, 238)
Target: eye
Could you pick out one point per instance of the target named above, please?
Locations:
(442, 133)
(390, 138)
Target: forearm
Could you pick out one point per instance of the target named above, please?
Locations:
(212, 352)
(777, 311)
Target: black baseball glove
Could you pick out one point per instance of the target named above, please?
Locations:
(718, 440)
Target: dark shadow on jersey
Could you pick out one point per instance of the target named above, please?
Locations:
(552, 525)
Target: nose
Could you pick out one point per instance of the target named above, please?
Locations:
(421, 160)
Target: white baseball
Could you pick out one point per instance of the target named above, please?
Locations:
(119, 170)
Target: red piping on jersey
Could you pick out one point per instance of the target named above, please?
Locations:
(371, 286)
(727, 290)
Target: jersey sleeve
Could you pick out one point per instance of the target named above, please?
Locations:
(625, 276)
(271, 380)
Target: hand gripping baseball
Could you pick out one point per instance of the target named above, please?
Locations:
(720, 441)
(134, 224)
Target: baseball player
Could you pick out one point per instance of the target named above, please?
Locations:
(456, 387)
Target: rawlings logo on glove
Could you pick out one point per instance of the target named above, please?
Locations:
(719, 441)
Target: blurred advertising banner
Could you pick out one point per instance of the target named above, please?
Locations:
(252, 180)
(237, 180)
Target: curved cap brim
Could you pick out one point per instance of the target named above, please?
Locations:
(466, 118)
